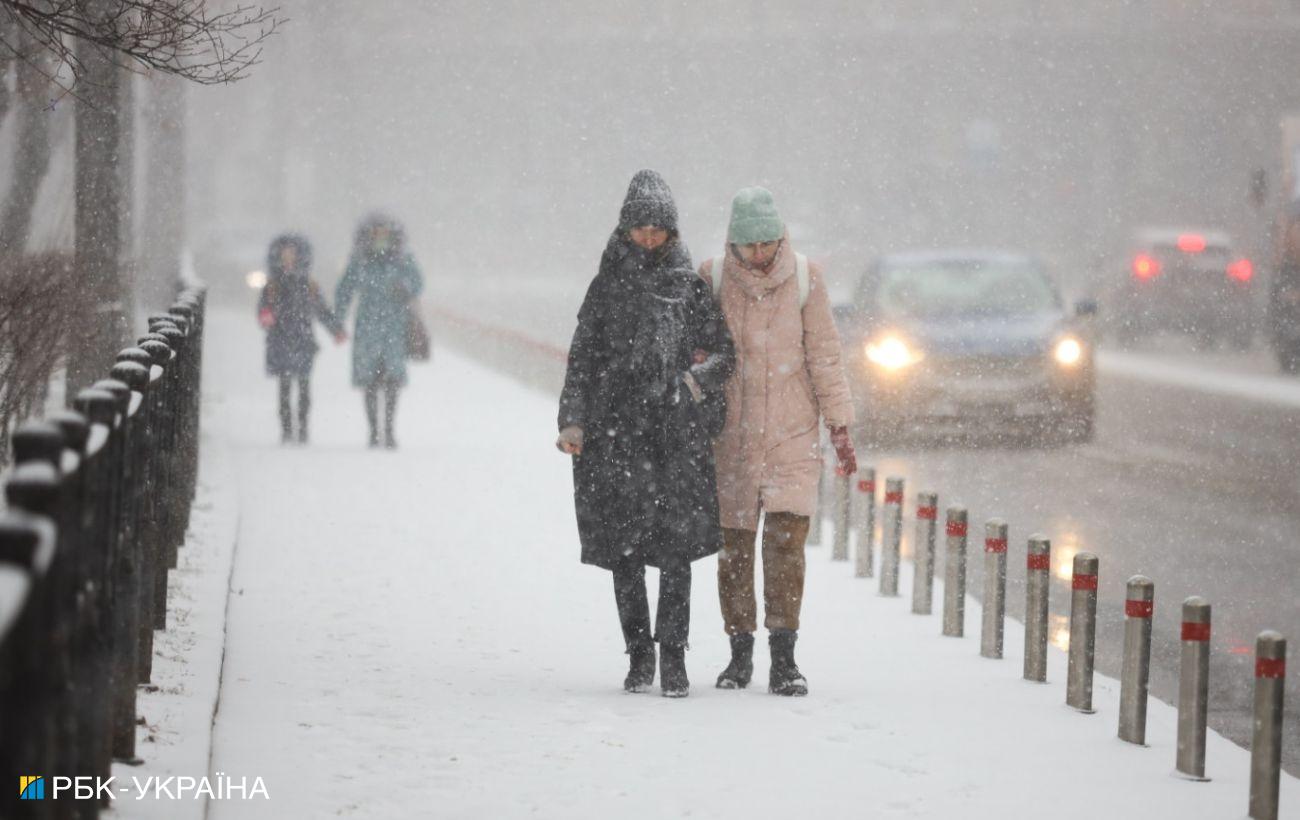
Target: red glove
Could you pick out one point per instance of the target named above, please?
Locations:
(265, 317)
(848, 460)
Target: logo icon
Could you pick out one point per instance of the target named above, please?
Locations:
(31, 787)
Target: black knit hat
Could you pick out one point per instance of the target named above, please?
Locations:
(649, 202)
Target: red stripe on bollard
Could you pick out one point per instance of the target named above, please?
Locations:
(865, 486)
(1138, 609)
(1039, 562)
(1270, 667)
(957, 528)
(893, 498)
(1195, 632)
(995, 545)
(927, 513)
(1085, 582)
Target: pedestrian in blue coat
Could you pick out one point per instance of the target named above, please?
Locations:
(384, 278)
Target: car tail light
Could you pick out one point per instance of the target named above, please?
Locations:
(1146, 267)
(1241, 270)
(1191, 243)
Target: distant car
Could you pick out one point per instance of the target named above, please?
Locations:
(1188, 282)
(970, 340)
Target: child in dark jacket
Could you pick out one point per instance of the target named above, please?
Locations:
(289, 303)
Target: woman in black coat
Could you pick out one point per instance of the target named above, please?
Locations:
(288, 304)
(642, 400)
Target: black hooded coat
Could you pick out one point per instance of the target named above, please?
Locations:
(294, 301)
(644, 486)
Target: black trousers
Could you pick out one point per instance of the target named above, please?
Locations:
(372, 406)
(286, 405)
(673, 618)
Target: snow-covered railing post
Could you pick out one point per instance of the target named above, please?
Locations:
(995, 587)
(99, 494)
(1083, 632)
(1038, 567)
(954, 568)
(1266, 740)
(125, 568)
(892, 540)
(1194, 688)
(27, 670)
(927, 515)
(843, 517)
(162, 392)
(863, 566)
(137, 377)
(33, 489)
(1135, 675)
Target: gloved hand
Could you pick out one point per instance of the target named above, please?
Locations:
(570, 440)
(265, 318)
(844, 454)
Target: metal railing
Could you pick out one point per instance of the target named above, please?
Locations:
(99, 501)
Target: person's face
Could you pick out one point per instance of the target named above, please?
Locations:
(288, 258)
(649, 237)
(380, 237)
(758, 254)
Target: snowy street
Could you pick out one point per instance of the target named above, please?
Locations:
(410, 634)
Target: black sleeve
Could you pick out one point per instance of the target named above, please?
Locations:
(711, 335)
(586, 354)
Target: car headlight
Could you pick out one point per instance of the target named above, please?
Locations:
(1068, 352)
(891, 353)
(256, 279)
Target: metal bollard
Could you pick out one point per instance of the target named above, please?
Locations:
(867, 533)
(1194, 688)
(1266, 741)
(927, 513)
(1038, 583)
(892, 539)
(1135, 675)
(1083, 632)
(954, 567)
(843, 522)
(995, 587)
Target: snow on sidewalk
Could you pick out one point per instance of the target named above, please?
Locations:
(410, 634)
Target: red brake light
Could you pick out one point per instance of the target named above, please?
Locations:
(1146, 267)
(1241, 270)
(1191, 243)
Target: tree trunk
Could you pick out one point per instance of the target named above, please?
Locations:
(164, 194)
(31, 155)
(99, 205)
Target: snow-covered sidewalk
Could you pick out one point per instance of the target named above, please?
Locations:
(410, 634)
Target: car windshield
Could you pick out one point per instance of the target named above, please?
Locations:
(962, 287)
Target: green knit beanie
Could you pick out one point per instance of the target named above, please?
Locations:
(754, 218)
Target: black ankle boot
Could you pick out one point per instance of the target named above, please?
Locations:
(741, 669)
(641, 668)
(785, 677)
(672, 671)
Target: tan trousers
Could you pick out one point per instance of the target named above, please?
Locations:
(783, 573)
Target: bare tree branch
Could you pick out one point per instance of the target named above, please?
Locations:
(184, 38)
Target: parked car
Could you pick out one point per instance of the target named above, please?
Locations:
(1182, 281)
(967, 341)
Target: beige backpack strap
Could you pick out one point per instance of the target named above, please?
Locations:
(715, 273)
